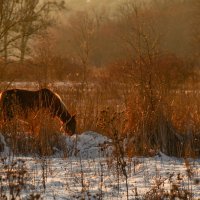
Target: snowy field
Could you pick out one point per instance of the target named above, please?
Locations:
(93, 173)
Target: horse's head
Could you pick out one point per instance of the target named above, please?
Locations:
(70, 126)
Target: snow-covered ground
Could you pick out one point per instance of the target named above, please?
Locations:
(92, 173)
(36, 85)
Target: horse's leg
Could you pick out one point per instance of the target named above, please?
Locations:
(8, 112)
(8, 115)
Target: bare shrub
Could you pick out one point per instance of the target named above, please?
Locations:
(113, 124)
(184, 113)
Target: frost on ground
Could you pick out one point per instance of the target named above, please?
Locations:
(91, 172)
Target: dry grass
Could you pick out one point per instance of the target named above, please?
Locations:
(151, 119)
(37, 134)
(149, 131)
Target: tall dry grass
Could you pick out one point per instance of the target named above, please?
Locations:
(38, 134)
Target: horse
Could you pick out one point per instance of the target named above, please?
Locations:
(22, 101)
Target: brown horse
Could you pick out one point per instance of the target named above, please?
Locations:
(18, 100)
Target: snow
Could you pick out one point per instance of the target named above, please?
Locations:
(35, 85)
(92, 173)
(89, 145)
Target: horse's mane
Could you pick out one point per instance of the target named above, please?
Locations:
(61, 101)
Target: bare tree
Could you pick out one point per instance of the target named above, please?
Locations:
(146, 66)
(43, 57)
(196, 28)
(21, 20)
(83, 26)
(36, 17)
(141, 40)
(9, 18)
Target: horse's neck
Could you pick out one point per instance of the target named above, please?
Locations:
(57, 107)
(61, 112)
(64, 116)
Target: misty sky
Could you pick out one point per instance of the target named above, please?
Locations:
(81, 4)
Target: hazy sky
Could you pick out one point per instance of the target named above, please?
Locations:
(74, 5)
(81, 4)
